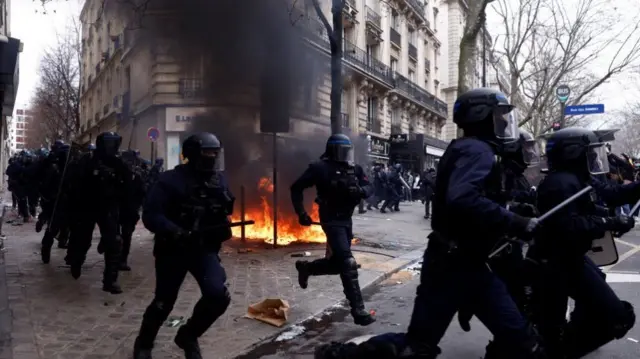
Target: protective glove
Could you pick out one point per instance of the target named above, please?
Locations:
(532, 225)
(304, 219)
(620, 224)
(523, 209)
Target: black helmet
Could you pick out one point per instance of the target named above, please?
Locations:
(204, 152)
(523, 152)
(486, 112)
(339, 148)
(572, 148)
(108, 144)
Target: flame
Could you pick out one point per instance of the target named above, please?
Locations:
(289, 230)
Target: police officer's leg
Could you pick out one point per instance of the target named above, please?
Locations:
(170, 273)
(45, 215)
(23, 205)
(112, 244)
(127, 227)
(33, 198)
(79, 243)
(438, 297)
(339, 240)
(47, 240)
(211, 277)
(361, 209)
(14, 200)
(427, 207)
(600, 316)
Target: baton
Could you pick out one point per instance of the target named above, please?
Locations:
(634, 209)
(551, 212)
(226, 225)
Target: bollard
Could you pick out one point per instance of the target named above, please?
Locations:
(242, 210)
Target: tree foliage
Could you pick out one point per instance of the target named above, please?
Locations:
(547, 43)
(56, 101)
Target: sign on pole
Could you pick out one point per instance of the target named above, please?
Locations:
(584, 109)
(563, 92)
(153, 134)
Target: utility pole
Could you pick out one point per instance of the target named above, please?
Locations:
(484, 53)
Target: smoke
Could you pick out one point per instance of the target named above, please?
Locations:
(254, 63)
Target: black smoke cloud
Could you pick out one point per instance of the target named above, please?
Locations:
(253, 61)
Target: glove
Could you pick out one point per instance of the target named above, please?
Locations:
(532, 225)
(304, 219)
(523, 209)
(620, 224)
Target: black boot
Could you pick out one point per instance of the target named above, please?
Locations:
(39, 225)
(188, 343)
(126, 247)
(110, 275)
(140, 352)
(303, 273)
(354, 296)
(45, 247)
(63, 242)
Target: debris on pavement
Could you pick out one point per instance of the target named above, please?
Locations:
(270, 311)
(293, 332)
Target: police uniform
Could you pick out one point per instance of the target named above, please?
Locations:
(340, 186)
(187, 210)
(561, 244)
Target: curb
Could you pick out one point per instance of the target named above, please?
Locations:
(6, 319)
(397, 264)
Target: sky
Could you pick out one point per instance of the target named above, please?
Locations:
(37, 31)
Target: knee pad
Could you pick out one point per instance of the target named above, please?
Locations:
(158, 310)
(626, 322)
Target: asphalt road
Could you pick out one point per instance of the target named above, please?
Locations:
(393, 302)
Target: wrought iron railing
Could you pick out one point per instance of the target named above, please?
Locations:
(373, 17)
(417, 7)
(369, 64)
(418, 94)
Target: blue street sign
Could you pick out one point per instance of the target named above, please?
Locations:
(153, 134)
(584, 109)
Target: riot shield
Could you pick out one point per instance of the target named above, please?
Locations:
(604, 251)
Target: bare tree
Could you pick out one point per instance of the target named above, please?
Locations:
(627, 139)
(37, 131)
(57, 97)
(475, 20)
(546, 43)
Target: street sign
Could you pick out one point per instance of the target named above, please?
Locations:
(563, 92)
(584, 109)
(153, 134)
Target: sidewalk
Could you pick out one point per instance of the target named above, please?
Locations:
(45, 313)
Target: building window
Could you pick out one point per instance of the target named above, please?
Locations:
(395, 20)
(395, 117)
(436, 87)
(412, 76)
(435, 20)
(412, 36)
(372, 109)
(435, 58)
(394, 64)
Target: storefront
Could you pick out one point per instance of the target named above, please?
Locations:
(417, 154)
(377, 150)
(433, 151)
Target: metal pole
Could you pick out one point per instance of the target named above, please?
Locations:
(562, 118)
(275, 190)
(242, 234)
(484, 56)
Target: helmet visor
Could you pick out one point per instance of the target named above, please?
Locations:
(211, 159)
(531, 152)
(597, 160)
(505, 123)
(342, 153)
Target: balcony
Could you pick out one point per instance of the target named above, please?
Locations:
(417, 94)
(395, 37)
(373, 125)
(427, 65)
(418, 9)
(373, 26)
(105, 109)
(189, 87)
(349, 12)
(344, 120)
(413, 52)
(359, 58)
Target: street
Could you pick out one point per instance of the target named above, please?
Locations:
(393, 302)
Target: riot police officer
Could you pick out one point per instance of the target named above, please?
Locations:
(340, 185)
(469, 189)
(176, 210)
(574, 155)
(98, 188)
(130, 211)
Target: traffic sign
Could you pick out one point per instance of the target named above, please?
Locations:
(563, 92)
(153, 134)
(584, 109)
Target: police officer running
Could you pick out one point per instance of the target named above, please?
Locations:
(468, 188)
(340, 185)
(187, 210)
(574, 155)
